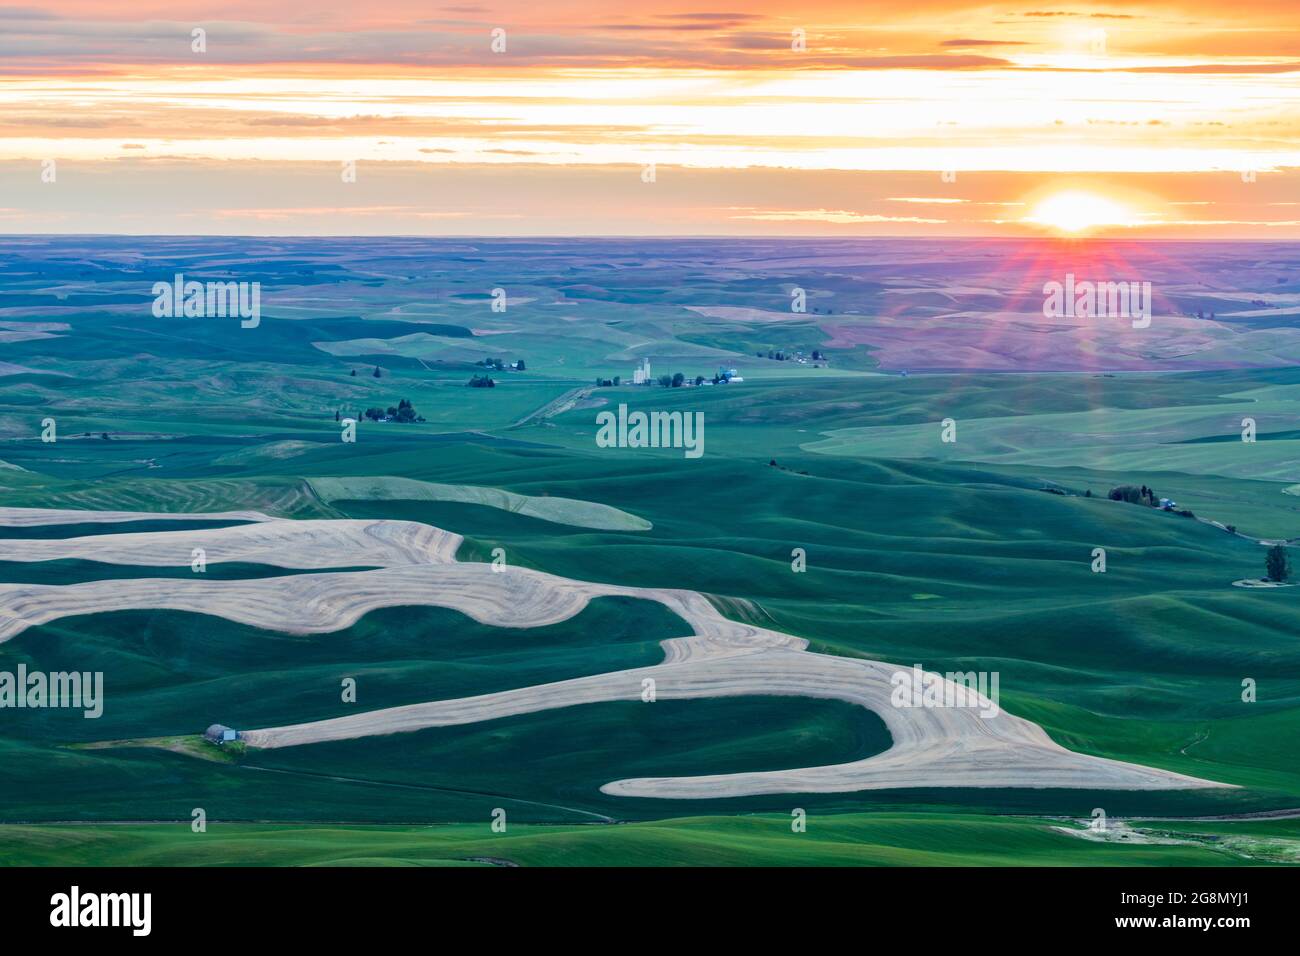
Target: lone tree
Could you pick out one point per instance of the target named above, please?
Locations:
(1279, 569)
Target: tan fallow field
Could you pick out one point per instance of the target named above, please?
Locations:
(952, 746)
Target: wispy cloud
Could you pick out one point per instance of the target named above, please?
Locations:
(867, 113)
(838, 216)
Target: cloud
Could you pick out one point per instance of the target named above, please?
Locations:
(292, 212)
(709, 16)
(1071, 13)
(839, 216)
(25, 13)
(1218, 68)
(965, 43)
(707, 26)
(921, 61)
(925, 199)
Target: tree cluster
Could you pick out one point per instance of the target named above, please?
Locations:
(1136, 495)
(404, 412)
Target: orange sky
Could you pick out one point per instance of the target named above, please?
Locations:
(836, 118)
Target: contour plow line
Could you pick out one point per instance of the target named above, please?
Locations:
(932, 747)
(35, 517)
(278, 542)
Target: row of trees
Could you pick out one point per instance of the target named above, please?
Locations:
(1135, 495)
(678, 380)
(403, 412)
(667, 381)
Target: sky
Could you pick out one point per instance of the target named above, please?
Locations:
(578, 117)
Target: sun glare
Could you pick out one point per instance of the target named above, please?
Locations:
(1076, 212)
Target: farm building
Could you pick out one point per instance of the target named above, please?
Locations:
(220, 734)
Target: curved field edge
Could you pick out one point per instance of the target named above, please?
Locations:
(568, 511)
(543, 768)
(914, 751)
(173, 673)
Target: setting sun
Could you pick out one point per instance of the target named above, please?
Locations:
(1076, 212)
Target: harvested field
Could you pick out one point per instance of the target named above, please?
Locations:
(35, 517)
(932, 747)
(570, 511)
